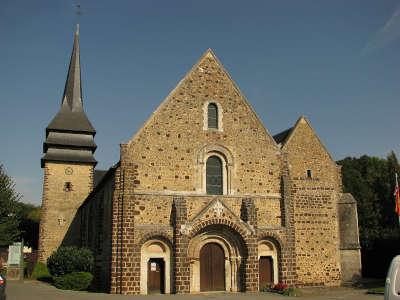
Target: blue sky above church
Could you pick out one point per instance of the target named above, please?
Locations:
(337, 62)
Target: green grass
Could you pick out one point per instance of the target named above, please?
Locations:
(378, 290)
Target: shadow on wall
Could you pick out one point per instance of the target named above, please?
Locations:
(91, 228)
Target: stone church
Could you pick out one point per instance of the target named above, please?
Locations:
(203, 197)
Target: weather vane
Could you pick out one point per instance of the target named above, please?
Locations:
(78, 10)
(78, 15)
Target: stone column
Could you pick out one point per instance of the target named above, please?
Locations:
(249, 215)
(181, 243)
(287, 268)
(125, 257)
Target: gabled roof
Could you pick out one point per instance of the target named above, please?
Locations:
(292, 132)
(71, 116)
(207, 54)
(280, 138)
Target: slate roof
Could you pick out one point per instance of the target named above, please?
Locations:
(70, 135)
(84, 141)
(98, 176)
(68, 155)
(281, 137)
(71, 121)
(71, 116)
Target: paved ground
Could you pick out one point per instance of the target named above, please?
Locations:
(33, 290)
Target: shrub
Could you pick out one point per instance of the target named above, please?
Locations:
(70, 259)
(265, 288)
(40, 272)
(77, 281)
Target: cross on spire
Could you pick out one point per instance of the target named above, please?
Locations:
(78, 11)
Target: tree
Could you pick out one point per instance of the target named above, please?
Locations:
(9, 208)
(371, 180)
(29, 216)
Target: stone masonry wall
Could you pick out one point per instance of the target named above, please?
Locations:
(58, 205)
(315, 208)
(156, 209)
(164, 159)
(168, 146)
(160, 186)
(157, 215)
(94, 218)
(349, 239)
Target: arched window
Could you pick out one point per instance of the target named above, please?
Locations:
(214, 178)
(213, 116)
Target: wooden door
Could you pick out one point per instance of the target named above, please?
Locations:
(155, 276)
(212, 268)
(266, 272)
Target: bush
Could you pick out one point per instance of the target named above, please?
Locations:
(69, 260)
(292, 292)
(77, 281)
(265, 288)
(40, 272)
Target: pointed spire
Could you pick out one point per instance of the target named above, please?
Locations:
(70, 135)
(72, 97)
(71, 116)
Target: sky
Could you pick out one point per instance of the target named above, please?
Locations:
(336, 62)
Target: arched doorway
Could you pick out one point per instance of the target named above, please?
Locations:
(212, 268)
(268, 264)
(155, 268)
(229, 252)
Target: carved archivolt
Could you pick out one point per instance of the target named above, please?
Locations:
(216, 212)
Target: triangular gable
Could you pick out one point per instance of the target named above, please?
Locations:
(216, 209)
(208, 54)
(304, 121)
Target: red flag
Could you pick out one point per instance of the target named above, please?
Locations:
(397, 197)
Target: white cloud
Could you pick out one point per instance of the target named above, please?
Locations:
(386, 35)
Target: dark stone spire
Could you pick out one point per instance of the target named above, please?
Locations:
(71, 115)
(72, 96)
(70, 135)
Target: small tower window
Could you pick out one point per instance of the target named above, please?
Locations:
(309, 174)
(212, 116)
(214, 178)
(68, 186)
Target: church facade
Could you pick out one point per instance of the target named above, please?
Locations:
(203, 197)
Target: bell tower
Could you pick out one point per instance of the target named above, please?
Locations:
(68, 161)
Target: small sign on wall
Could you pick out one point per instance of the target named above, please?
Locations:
(153, 267)
(14, 254)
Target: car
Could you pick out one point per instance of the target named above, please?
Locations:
(392, 284)
(3, 284)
